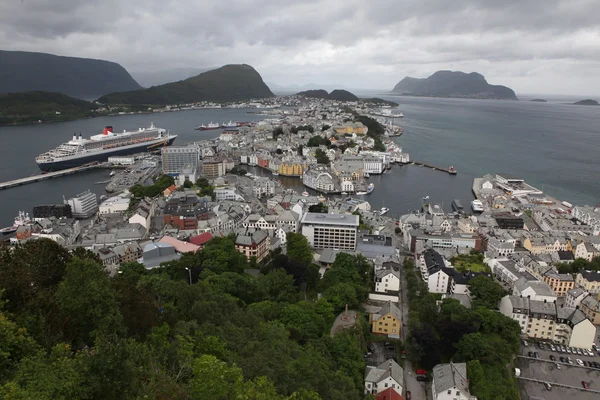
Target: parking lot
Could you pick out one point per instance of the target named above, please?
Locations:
(547, 352)
(378, 354)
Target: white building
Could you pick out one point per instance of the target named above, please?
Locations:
(386, 375)
(450, 382)
(113, 205)
(574, 297)
(227, 194)
(121, 160)
(387, 280)
(333, 231)
(84, 205)
(373, 165)
(535, 290)
(517, 308)
(438, 282)
(175, 158)
(187, 173)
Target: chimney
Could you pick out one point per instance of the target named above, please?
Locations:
(74, 136)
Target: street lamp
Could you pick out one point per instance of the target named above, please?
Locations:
(190, 274)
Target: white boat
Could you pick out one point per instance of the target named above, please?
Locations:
(21, 219)
(360, 193)
(305, 194)
(112, 173)
(370, 188)
(367, 175)
(344, 193)
(477, 205)
(383, 210)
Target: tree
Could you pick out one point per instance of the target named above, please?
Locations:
(298, 248)
(325, 127)
(15, 344)
(341, 294)
(277, 132)
(187, 184)
(317, 141)
(486, 291)
(318, 208)
(321, 157)
(88, 303)
(277, 286)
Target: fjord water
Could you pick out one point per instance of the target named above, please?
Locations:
(552, 145)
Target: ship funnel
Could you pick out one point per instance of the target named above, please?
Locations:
(74, 136)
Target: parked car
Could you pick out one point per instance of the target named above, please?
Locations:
(421, 372)
(530, 354)
(552, 357)
(563, 359)
(389, 346)
(569, 360)
(548, 386)
(541, 345)
(536, 355)
(586, 385)
(552, 347)
(408, 395)
(369, 354)
(525, 343)
(590, 353)
(557, 365)
(422, 378)
(569, 350)
(579, 362)
(579, 352)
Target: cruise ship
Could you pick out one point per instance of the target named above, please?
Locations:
(80, 151)
(477, 205)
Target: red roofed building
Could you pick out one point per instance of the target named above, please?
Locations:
(389, 394)
(201, 240)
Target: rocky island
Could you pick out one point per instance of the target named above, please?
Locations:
(453, 84)
(235, 82)
(538, 100)
(587, 102)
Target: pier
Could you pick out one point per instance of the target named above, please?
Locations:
(49, 175)
(449, 170)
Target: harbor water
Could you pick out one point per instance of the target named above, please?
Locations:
(553, 146)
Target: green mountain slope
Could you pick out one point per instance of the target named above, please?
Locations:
(17, 108)
(229, 83)
(453, 84)
(22, 71)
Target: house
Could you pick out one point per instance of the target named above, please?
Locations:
(387, 280)
(131, 232)
(387, 321)
(573, 328)
(450, 382)
(505, 270)
(143, 214)
(107, 256)
(128, 252)
(201, 240)
(560, 283)
(168, 191)
(589, 281)
(253, 245)
(387, 375)
(535, 290)
(586, 251)
(590, 306)
(114, 205)
(460, 281)
(179, 245)
(389, 394)
(574, 297)
(156, 253)
(517, 308)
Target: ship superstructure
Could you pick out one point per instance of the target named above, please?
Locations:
(79, 151)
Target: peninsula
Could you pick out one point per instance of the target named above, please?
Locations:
(24, 71)
(229, 83)
(453, 84)
(338, 94)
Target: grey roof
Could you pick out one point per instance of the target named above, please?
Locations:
(388, 308)
(328, 256)
(576, 292)
(519, 302)
(540, 307)
(330, 219)
(247, 240)
(373, 250)
(131, 231)
(562, 277)
(464, 299)
(577, 317)
(156, 253)
(590, 302)
(389, 368)
(448, 376)
(540, 288)
(382, 273)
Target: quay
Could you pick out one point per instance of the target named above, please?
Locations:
(49, 175)
(450, 170)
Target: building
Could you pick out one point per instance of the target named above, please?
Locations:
(573, 328)
(291, 168)
(84, 205)
(114, 205)
(385, 376)
(450, 382)
(349, 128)
(589, 281)
(121, 160)
(441, 240)
(535, 290)
(590, 306)
(459, 283)
(517, 308)
(143, 213)
(253, 245)
(188, 173)
(387, 321)
(213, 169)
(387, 280)
(128, 252)
(201, 240)
(560, 283)
(156, 253)
(509, 221)
(176, 158)
(335, 231)
(574, 297)
(184, 211)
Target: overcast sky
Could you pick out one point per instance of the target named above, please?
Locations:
(533, 46)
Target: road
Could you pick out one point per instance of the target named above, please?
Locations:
(417, 390)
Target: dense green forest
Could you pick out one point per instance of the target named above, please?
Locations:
(211, 331)
(19, 108)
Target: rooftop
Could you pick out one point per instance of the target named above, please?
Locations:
(330, 219)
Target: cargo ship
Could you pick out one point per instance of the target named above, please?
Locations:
(208, 127)
(80, 151)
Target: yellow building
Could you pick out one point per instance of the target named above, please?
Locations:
(560, 283)
(387, 321)
(350, 128)
(590, 306)
(255, 245)
(589, 281)
(291, 169)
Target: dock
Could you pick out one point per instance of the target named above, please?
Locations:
(49, 175)
(451, 170)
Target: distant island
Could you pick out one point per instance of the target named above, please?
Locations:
(453, 84)
(337, 94)
(23, 71)
(236, 82)
(29, 107)
(539, 100)
(587, 102)
(379, 102)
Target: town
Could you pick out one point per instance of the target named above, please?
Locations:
(444, 285)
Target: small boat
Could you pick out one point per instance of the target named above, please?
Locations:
(477, 205)
(112, 173)
(361, 192)
(367, 175)
(370, 188)
(344, 193)
(456, 205)
(383, 210)
(102, 182)
(230, 124)
(20, 220)
(305, 194)
(208, 127)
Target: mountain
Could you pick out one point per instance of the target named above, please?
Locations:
(22, 71)
(23, 107)
(337, 94)
(453, 84)
(234, 82)
(587, 102)
(154, 78)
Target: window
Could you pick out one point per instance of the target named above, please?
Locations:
(449, 391)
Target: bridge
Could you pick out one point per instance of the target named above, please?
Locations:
(49, 175)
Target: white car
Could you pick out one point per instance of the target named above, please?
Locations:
(579, 362)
